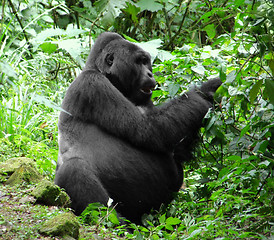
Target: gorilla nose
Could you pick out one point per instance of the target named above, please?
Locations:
(150, 74)
(152, 81)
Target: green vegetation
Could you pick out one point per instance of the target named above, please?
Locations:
(229, 188)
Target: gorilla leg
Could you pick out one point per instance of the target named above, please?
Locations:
(81, 184)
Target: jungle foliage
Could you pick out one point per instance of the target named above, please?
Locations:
(229, 188)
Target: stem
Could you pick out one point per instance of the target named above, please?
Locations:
(2, 15)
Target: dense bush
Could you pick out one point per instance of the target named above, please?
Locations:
(229, 188)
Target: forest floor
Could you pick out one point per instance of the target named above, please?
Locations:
(21, 219)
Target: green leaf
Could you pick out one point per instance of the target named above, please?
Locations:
(231, 76)
(151, 47)
(72, 46)
(223, 72)
(44, 100)
(254, 90)
(113, 218)
(238, 3)
(261, 146)
(269, 89)
(150, 5)
(266, 163)
(157, 93)
(194, 233)
(211, 122)
(110, 9)
(7, 69)
(133, 11)
(234, 158)
(169, 227)
(271, 64)
(48, 47)
(173, 88)
(207, 15)
(173, 221)
(244, 131)
(42, 36)
(162, 219)
(198, 69)
(164, 55)
(210, 30)
(224, 172)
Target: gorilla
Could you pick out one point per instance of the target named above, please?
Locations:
(114, 143)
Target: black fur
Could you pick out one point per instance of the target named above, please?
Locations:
(114, 143)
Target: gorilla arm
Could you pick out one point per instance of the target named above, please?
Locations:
(93, 99)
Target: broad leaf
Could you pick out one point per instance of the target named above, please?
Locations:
(48, 47)
(254, 90)
(231, 76)
(173, 221)
(72, 46)
(150, 5)
(110, 9)
(198, 69)
(210, 30)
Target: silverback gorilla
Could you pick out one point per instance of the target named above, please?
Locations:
(114, 143)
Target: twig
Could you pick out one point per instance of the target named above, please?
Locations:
(209, 151)
(184, 17)
(108, 214)
(168, 27)
(181, 25)
(264, 182)
(94, 23)
(247, 60)
(19, 21)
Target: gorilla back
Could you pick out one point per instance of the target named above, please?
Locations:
(114, 143)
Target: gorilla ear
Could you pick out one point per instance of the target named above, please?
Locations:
(109, 59)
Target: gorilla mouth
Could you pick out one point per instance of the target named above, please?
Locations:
(147, 90)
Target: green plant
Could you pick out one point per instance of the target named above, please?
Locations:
(98, 214)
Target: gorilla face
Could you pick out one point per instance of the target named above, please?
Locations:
(128, 68)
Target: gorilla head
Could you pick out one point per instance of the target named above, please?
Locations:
(127, 66)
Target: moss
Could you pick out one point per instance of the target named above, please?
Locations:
(25, 173)
(65, 224)
(10, 166)
(50, 194)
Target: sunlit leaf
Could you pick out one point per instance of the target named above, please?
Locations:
(72, 46)
(7, 69)
(173, 221)
(110, 9)
(231, 76)
(48, 47)
(198, 69)
(162, 218)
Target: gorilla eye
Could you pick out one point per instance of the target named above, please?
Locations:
(142, 60)
(109, 59)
